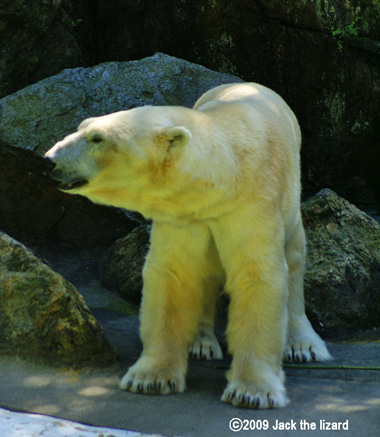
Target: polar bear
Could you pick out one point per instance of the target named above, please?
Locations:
(221, 183)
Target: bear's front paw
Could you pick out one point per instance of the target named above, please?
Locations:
(258, 396)
(205, 347)
(142, 378)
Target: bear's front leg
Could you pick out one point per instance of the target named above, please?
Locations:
(170, 309)
(257, 284)
(256, 333)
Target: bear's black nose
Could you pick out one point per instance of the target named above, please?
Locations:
(49, 164)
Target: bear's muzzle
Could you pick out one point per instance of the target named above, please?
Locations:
(65, 181)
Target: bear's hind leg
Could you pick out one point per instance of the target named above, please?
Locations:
(205, 345)
(303, 343)
(170, 309)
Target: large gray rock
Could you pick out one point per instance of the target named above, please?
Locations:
(42, 316)
(41, 114)
(342, 283)
(34, 118)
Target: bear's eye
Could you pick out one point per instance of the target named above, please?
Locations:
(96, 139)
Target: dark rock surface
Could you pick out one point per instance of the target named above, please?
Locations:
(37, 40)
(342, 283)
(33, 210)
(42, 316)
(122, 267)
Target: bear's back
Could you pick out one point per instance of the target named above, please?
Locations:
(268, 105)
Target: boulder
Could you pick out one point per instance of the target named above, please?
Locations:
(42, 316)
(34, 118)
(41, 114)
(342, 281)
(121, 269)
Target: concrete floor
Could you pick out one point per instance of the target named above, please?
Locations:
(92, 396)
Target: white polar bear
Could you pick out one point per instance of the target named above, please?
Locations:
(221, 182)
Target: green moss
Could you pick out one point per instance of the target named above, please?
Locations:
(352, 30)
(226, 40)
(369, 13)
(76, 23)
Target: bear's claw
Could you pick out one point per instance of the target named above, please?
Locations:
(149, 380)
(304, 352)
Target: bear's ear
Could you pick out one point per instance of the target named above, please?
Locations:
(86, 122)
(177, 136)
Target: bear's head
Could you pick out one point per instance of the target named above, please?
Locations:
(115, 158)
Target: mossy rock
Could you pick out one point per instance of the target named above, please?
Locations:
(42, 316)
(342, 280)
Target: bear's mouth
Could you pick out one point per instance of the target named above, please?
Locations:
(67, 186)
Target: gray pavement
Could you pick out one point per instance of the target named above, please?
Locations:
(319, 397)
(90, 396)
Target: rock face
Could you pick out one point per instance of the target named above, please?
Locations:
(342, 283)
(39, 40)
(122, 268)
(42, 316)
(34, 118)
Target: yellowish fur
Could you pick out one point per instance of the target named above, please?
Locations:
(222, 185)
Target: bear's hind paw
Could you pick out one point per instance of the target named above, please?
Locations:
(306, 351)
(205, 347)
(304, 344)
